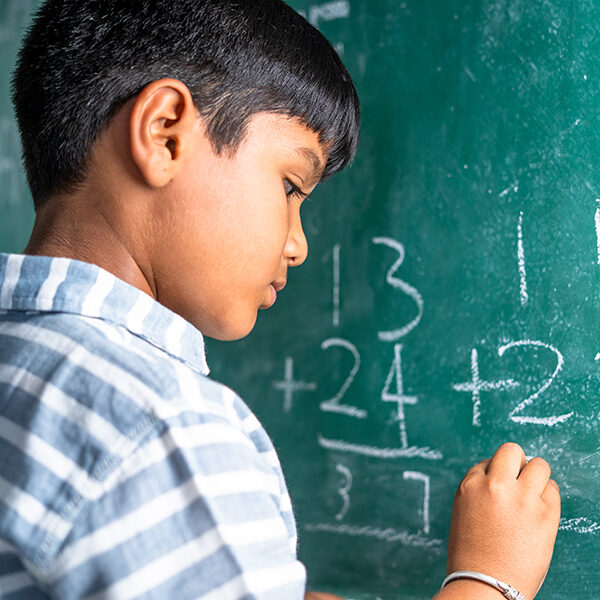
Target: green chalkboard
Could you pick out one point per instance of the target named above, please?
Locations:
(16, 209)
(451, 299)
(451, 295)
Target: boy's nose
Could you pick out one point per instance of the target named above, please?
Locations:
(296, 248)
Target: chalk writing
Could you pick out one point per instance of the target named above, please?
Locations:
(514, 187)
(476, 386)
(384, 453)
(416, 476)
(409, 290)
(328, 11)
(399, 397)
(579, 525)
(333, 404)
(597, 221)
(417, 540)
(289, 387)
(336, 285)
(521, 260)
(515, 413)
(344, 491)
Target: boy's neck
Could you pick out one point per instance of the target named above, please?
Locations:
(68, 227)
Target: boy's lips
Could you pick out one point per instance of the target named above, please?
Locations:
(279, 284)
(275, 286)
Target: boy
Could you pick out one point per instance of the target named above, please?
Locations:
(168, 147)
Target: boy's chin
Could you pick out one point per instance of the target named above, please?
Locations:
(231, 331)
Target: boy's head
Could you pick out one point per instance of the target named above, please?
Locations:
(181, 123)
(84, 59)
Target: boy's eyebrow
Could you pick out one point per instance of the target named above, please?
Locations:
(311, 157)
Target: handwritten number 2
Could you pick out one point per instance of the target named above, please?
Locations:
(515, 413)
(333, 404)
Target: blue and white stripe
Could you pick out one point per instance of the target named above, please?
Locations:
(125, 471)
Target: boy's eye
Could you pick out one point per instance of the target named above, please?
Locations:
(293, 190)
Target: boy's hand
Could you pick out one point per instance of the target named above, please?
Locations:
(505, 519)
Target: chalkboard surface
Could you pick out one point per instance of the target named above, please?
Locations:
(16, 209)
(450, 301)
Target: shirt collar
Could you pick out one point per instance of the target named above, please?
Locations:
(46, 284)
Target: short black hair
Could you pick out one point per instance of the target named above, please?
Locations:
(82, 60)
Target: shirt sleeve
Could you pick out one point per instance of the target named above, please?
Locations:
(195, 512)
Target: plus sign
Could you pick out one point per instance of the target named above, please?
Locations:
(289, 387)
(476, 386)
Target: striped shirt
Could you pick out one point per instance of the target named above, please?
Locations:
(125, 472)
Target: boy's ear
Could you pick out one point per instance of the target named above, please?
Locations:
(162, 121)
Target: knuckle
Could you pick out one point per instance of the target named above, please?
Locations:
(511, 447)
(538, 461)
(477, 467)
(484, 463)
(469, 483)
(495, 487)
(539, 468)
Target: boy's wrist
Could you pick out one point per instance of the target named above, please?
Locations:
(468, 589)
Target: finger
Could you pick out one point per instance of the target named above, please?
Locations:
(507, 462)
(535, 474)
(480, 468)
(551, 493)
(476, 472)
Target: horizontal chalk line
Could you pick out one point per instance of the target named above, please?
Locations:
(386, 453)
(579, 525)
(388, 535)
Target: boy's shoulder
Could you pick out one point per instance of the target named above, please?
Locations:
(74, 334)
(73, 363)
(83, 320)
(82, 396)
(87, 405)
